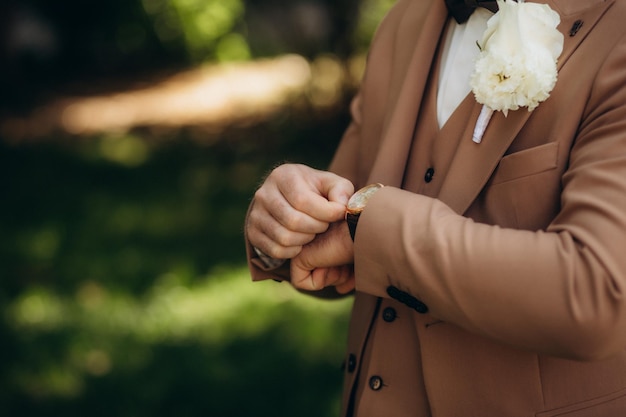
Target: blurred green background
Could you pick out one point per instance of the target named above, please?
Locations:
(132, 136)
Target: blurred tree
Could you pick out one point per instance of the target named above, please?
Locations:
(44, 45)
(209, 28)
(303, 26)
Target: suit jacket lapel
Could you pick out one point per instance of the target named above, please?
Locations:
(423, 38)
(473, 164)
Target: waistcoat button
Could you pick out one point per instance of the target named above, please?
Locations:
(351, 363)
(430, 173)
(389, 314)
(376, 383)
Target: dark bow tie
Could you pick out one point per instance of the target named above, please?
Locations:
(461, 10)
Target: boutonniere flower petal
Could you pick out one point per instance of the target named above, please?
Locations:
(517, 64)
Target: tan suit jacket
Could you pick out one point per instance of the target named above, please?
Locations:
(497, 288)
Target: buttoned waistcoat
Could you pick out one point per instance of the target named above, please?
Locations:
(496, 287)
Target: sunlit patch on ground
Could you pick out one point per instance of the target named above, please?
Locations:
(215, 96)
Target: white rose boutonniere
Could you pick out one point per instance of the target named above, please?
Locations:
(517, 65)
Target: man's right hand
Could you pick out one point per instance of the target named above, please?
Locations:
(294, 204)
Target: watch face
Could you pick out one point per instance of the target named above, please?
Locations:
(358, 201)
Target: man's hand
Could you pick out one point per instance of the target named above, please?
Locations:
(294, 204)
(326, 261)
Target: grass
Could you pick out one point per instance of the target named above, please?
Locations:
(179, 350)
(123, 287)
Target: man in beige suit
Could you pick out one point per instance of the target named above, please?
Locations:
(489, 278)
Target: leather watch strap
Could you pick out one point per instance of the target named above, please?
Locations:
(352, 221)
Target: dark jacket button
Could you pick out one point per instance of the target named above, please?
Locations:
(351, 363)
(420, 307)
(389, 314)
(376, 383)
(428, 176)
(407, 299)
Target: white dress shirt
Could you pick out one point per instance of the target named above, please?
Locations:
(457, 62)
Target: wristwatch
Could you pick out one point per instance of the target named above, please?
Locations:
(357, 203)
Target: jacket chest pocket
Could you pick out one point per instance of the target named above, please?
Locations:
(611, 405)
(524, 190)
(526, 163)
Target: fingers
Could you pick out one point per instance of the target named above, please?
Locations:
(338, 276)
(341, 277)
(292, 215)
(294, 204)
(318, 194)
(336, 192)
(291, 218)
(326, 261)
(271, 237)
(282, 232)
(347, 286)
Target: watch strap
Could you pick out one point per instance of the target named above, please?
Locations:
(352, 220)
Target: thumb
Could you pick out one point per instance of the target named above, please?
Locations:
(336, 188)
(302, 275)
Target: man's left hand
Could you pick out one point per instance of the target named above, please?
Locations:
(326, 261)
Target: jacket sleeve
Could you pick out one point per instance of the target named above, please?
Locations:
(560, 291)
